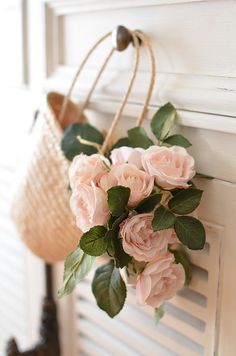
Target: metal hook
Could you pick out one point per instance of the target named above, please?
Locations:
(121, 38)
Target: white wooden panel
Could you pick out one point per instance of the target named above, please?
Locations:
(179, 33)
(196, 67)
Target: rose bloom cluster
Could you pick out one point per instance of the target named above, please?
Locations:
(141, 171)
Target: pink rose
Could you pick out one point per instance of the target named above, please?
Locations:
(86, 169)
(127, 175)
(89, 205)
(172, 167)
(107, 181)
(139, 239)
(160, 281)
(127, 155)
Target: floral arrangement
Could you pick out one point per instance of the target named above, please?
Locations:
(134, 205)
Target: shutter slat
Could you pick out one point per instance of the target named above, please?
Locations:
(190, 307)
(103, 338)
(90, 348)
(118, 329)
(199, 285)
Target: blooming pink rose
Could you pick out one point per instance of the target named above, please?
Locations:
(127, 175)
(107, 181)
(127, 155)
(86, 169)
(172, 167)
(139, 239)
(89, 205)
(160, 281)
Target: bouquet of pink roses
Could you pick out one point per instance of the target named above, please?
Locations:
(133, 205)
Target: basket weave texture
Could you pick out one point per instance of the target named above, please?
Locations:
(40, 207)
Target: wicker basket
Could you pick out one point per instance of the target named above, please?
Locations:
(40, 207)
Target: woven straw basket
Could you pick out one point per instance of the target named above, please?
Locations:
(40, 207)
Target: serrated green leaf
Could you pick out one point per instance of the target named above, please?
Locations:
(159, 313)
(182, 257)
(163, 120)
(139, 138)
(148, 204)
(109, 289)
(163, 219)
(94, 242)
(70, 144)
(177, 140)
(76, 267)
(190, 232)
(185, 201)
(118, 198)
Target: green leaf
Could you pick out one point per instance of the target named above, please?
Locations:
(159, 313)
(118, 198)
(122, 259)
(177, 140)
(190, 232)
(201, 175)
(148, 204)
(70, 144)
(182, 257)
(114, 222)
(94, 242)
(124, 141)
(76, 267)
(109, 289)
(115, 248)
(185, 201)
(163, 219)
(139, 138)
(163, 120)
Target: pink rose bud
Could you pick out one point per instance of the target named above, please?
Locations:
(160, 281)
(86, 169)
(139, 239)
(89, 205)
(127, 155)
(172, 167)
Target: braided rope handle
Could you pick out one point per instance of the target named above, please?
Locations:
(136, 35)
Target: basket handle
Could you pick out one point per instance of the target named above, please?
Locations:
(135, 36)
(138, 35)
(81, 67)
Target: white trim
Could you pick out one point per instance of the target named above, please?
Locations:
(212, 100)
(190, 119)
(62, 7)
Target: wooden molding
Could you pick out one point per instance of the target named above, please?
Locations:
(212, 100)
(63, 7)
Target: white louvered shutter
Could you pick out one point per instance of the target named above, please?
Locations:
(188, 327)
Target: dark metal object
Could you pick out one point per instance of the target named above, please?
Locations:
(48, 344)
(121, 38)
